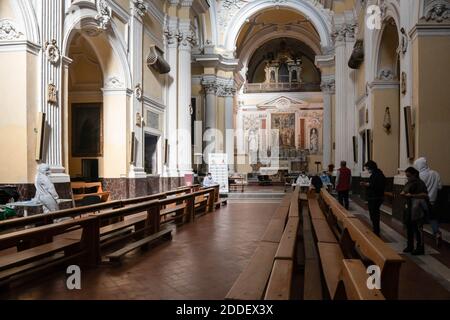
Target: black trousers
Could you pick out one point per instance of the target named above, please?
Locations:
(374, 212)
(343, 198)
(414, 230)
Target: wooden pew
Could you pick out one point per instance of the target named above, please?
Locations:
(80, 190)
(356, 240)
(353, 282)
(54, 251)
(252, 282)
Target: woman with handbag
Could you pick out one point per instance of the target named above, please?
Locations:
(416, 210)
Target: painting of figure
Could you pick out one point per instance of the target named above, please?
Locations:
(86, 130)
(285, 123)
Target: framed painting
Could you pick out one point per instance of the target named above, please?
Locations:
(87, 130)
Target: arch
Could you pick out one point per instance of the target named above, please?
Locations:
(320, 21)
(29, 21)
(84, 18)
(256, 42)
(392, 12)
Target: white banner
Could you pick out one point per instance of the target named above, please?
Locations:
(218, 167)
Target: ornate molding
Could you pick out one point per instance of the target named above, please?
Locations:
(139, 7)
(225, 90)
(328, 86)
(438, 12)
(186, 39)
(9, 31)
(344, 31)
(138, 92)
(171, 35)
(104, 14)
(114, 83)
(386, 74)
(52, 51)
(209, 86)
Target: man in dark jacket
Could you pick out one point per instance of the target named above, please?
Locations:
(375, 193)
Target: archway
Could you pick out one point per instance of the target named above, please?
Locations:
(386, 100)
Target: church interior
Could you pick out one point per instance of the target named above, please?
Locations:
(224, 150)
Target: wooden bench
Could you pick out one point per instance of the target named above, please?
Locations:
(280, 282)
(116, 256)
(49, 248)
(353, 282)
(252, 282)
(80, 190)
(356, 241)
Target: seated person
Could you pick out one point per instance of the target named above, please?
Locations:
(316, 183)
(326, 180)
(303, 180)
(209, 181)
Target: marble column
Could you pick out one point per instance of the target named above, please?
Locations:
(229, 132)
(52, 13)
(186, 41)
(345, 104)
(136, 61)
(328, 90)
(210, 87)
(171, 34)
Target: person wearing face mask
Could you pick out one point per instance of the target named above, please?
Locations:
(416, 209)
(375, 193)
(433, 182)
(208, 181)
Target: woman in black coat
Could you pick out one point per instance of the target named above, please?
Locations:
(416, 210)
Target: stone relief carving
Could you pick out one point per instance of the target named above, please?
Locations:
(104, 14)
(344, 31)
(209, 87)
(328, 86)
(171, 35)
(403, 46)
(438, 12)
(139, 7)
(52, 51)
(225, 90)
(52, 96)
(138, 91)
(114, 83)
(186, 38)
(386, 74)
(403, 82)
(8, 30)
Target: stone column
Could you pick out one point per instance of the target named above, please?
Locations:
(171, 34)
(210, 87)
(229, 132)
(186, 40)
(138, 10)
(52, 13)
(328, 89)
(345, 104)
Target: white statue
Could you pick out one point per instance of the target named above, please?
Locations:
(253, 147)
(314, 141)
(45, 190)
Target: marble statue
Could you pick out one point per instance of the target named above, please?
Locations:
(253, 146)
(45, 190)
(314, 145)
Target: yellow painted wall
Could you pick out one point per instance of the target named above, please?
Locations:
(18, 109)
(431, 101)
(386, 146)
(153, 81)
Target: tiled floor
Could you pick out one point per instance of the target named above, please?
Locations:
(201, 262)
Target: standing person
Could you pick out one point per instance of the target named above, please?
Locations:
(343, 183)
(326, 180)
(433, 182)
(375, 193)
(416, 207)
